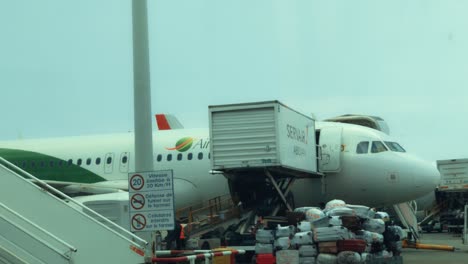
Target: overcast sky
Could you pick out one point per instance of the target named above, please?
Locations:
(66, 66)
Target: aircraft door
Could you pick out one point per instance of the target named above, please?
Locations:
(109, 163)
(124, 160)
(330, 144)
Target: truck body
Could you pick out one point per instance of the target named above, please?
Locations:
(452, 192)
(453, 175)
(262, 134)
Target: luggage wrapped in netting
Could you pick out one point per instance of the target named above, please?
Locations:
(264, 236)
(308, 251)
(324, 258)
(341, 211)
(287, 256)
(356, 245)
(348, 257)
(302, 238)
(328, 247)
(374, 225)
(261, 248)
(335, 203)
(304, 226)
(362, 211)
(307, 260)
(303, 209)
(353, 223)
(282, 243)
(382, 215)
(332, 233)
(285, 231)
(327, 221)
(313, 214)
(366, 258)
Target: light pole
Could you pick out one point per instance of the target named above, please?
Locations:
(142, 88)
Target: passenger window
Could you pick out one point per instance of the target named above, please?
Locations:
(377, 147)
(189, 156)
(51, 163)
(169, 157)
(124, 160)
(33, 164)
(78, 162)
(159, 158)
(24, 164)
(200, 155)
(88, 161)
(70, 162)
(209, 155)
(109, 160)
(98, 161)
(179, 156)
(60, 163)
(42, 164)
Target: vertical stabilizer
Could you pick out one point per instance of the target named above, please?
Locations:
(167, 122)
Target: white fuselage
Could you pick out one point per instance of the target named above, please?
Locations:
(372, 179)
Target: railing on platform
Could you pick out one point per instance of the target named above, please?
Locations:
(215, 211)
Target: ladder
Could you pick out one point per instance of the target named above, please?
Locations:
(407, 214)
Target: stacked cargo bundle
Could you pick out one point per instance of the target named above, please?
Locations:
(340, 233)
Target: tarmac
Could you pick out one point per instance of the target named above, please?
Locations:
(459, 256)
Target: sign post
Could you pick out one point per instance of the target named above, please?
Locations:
(151, 200)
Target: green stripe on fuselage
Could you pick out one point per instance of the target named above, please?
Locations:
(49, 168)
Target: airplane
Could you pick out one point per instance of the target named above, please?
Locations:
(366, 167)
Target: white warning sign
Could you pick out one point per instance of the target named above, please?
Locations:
(151, 198)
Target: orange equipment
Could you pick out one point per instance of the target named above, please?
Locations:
(417, 245)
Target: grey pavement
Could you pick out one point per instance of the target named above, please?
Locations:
(459, 256)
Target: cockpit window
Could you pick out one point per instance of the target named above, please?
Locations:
(377, 147)
(362, 147)
(393, 146)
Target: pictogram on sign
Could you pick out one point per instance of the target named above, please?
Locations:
(137, 182)
(138, 222)
(137, 201)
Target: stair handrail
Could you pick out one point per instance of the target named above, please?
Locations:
(70, 247)
(137, 241)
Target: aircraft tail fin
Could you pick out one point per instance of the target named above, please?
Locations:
(167, 122)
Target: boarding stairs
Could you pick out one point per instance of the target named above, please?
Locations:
(407, 214)
(434, 212)
(39, 224)
(17, 230)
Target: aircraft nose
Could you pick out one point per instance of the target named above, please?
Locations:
(426, 177)
(434, 176)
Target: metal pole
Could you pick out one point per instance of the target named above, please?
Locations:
(142, 88)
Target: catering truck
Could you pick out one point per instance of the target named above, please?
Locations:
(453, 175)
(262, 148)
(453, 192)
